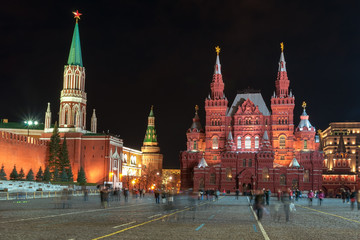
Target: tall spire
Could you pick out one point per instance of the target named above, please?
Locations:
(48, 117)
(150, 135)
(94, 122)
(75, 49)
(217, 85)
(282, 81)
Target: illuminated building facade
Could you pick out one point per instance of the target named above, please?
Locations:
(245, 146)
(340, 143)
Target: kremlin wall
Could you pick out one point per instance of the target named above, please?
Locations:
(103, 157)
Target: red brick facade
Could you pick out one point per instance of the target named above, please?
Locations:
(244, 146)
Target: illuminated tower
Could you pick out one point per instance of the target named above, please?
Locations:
(152, 158)
(215, 107)
(195, 134)
(282, 106)
(72, 113)
(47, 118)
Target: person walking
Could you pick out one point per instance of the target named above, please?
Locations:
(310, 197)
(259, 204)
(347, 195)
(267, 197)
(321, 197)
(343, 195)
(285, 199)
(86, 195)
(237, 194)
(358, 199)
(157, 196)
(352, 200)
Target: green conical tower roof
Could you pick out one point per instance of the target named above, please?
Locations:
(75, 49)
(150, 135)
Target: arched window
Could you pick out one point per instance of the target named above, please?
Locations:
(282, 141)
(257, 121)
(285, 121)
(265, 174)
(250, 163)
(282, 179)
(239, 142)
(247, 142)
(215, 143)
(279, 121)
(306, 176)
(256, 142)
(266, 122)
(228, 174)
(212, 178)
(195, 145)
(76, 115)
(239, 121)
(305, 144)
(282, 121)
(125, 157)
(66, 116)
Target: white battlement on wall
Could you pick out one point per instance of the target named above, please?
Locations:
(29, 186)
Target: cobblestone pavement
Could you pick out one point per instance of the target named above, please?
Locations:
(186, 218)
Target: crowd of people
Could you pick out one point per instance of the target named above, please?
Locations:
(260, 199)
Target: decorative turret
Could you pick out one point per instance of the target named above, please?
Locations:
(217, 85)
(305, 124)
(47, 118)
(72, 114)
(195, 134)
(196, 125)
(294, 163)
(305, 133)
(202, 163)
(230, 145)
(282, 81)
(94, 122)
(150, 135)
(265, 143)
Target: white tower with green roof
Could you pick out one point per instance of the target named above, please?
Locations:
(152, 158)
(72, 113)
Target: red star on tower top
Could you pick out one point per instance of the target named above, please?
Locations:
(77, 15)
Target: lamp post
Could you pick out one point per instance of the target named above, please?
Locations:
(30, 123)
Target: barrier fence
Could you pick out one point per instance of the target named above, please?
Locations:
(41, 194)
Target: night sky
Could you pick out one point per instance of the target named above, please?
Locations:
(161, 53)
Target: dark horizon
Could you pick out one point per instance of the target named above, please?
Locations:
(141, 53)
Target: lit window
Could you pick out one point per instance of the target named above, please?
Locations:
(265, 174)
(282, 141)
(215, 143)
(239, 142)
(305, 144)
(247, 142)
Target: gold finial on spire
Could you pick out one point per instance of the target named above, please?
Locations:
(77, 15)
(304, 105)
(282, 46)
(217, 49)
(152, 107)
(196, 108)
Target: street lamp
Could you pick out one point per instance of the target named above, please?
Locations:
(30, 123)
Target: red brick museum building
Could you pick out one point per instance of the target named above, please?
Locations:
(246, 146)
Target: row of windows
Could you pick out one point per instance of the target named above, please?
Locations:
(265, 177)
